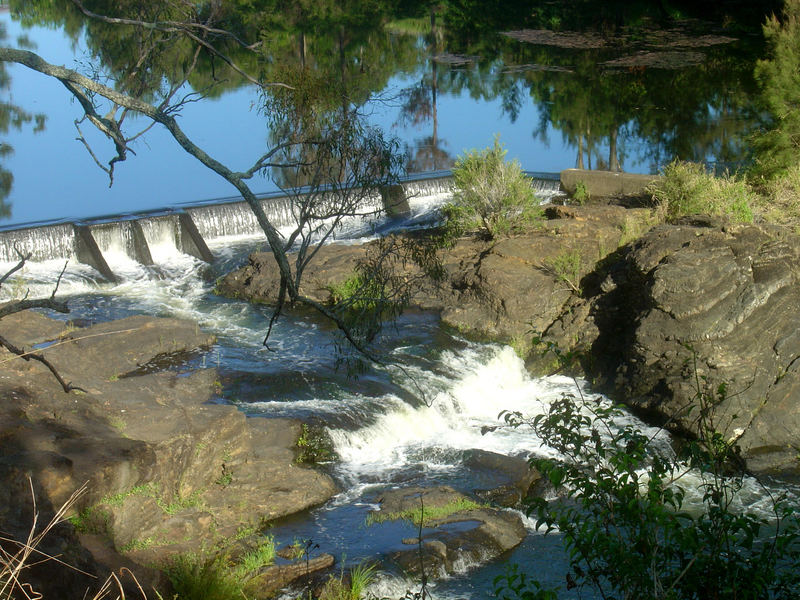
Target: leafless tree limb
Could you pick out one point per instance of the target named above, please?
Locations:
(26, 355)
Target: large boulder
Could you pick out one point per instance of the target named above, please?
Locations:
(456, 531)
(493, 289)
(689, 307)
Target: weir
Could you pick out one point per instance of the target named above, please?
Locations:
(190, 227)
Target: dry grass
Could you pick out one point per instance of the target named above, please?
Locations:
(16, 556)
(780, 201)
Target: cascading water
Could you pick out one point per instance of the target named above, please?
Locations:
(42, 243)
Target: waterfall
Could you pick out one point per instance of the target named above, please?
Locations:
(42, 243)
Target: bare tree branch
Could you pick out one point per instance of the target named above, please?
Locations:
(74, 81)
(25, 355)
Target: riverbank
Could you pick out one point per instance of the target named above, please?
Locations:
(171, 473)
(165, 471)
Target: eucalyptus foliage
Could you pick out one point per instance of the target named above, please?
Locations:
(777, 147)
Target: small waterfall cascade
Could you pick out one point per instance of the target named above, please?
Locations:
(42, 243)
(188, 229)
(124, 237)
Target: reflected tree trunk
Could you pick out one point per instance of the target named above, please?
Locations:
(613, 160)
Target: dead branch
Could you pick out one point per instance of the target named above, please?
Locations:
(27, 355)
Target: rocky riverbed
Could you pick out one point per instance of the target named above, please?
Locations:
(164, 470)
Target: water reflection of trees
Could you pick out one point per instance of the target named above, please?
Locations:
(689, 107)
(606, 114)
(11, 117)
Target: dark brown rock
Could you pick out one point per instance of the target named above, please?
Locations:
(500, 290)
(166, 471)
(502, 480)
(471, 536)
(715, 301)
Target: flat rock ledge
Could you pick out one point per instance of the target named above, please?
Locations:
(165, 470)
(495, 290)
(450, 543)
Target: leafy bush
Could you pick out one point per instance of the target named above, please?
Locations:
(314, 445)
(626, 529)
(491, 194)
(581, 194)
(686, 188)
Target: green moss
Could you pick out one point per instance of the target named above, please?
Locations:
(137, 544)
(179, 504)
(428, 515)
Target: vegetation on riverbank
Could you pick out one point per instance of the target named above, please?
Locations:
(492, 195)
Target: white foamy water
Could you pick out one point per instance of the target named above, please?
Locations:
(424, 410)
(466, 392)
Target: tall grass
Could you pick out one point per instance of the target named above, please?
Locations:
(16, 556)
(688, 189)
(203, 577)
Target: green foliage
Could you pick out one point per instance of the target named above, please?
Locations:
(686, 189)
(357, 292)
(777, 147)
(314, 445)
(203, 577)
(383, 283)
(491, 194)
(178, 504)
(426, 515)
(516, 585)
(261, 556)
(581, 194)
(780, 202)
(567, 267)
(361, 576)
(225, 478)
(338, 588)
(627, 531)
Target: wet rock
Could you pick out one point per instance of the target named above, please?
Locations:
(504, 480)
(500, 290)
(450, 540)
(271, 579)
(713, 300)
(166, 470)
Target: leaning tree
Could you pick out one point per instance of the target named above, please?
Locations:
(176, 53)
